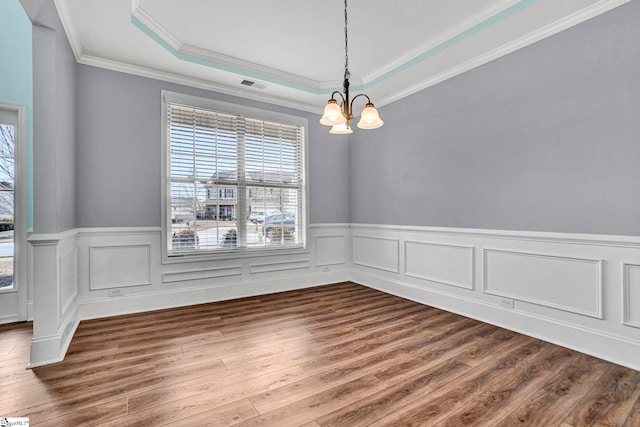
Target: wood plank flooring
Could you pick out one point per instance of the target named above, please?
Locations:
(338, 355)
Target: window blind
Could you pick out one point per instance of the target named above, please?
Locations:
(233, 182)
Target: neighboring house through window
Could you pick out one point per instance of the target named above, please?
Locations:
(234, 178)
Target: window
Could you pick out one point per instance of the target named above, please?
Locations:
(234, 178)
(7, 204)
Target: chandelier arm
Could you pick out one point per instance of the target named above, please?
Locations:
(358, 96)
(337, 92)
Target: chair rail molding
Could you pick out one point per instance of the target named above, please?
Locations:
(579, 291)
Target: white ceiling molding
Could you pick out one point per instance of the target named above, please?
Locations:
(547, 31)
(124, 37)
(438, 41)
(67, 23)
(197, 83)
(218, 60)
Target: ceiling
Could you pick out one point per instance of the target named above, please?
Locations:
(294, 50)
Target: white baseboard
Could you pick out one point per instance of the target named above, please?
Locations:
(595, 343)
(569, 289)
(52, 349)
(158, 300)
(9, 319)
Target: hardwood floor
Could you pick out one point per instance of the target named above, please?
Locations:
(339, 355)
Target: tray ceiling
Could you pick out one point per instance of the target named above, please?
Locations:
(294, 50)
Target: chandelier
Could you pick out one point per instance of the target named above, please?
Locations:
(339, 116)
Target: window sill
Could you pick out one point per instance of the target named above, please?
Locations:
(222, 255)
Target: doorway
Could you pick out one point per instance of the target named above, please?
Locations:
(13, 292)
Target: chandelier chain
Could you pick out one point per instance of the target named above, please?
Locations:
(347, 74)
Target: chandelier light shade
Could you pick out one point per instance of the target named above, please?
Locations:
(332, 114)
(339, 116)
(370, 119)
(341, 129)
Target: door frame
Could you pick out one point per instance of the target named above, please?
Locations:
(20, 249)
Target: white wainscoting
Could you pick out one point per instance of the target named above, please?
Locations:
(331, 249)
(437, 262)
(133, 266)
(566, 283)
(579, 291)
(102, 272)
(381, 253)
(68, 271)
(124, 259)
(631, 294)
(53, 262)
(202, 273)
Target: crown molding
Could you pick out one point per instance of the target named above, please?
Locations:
(423, 50)
(154, 26)
(535, 36)
(197, 83)
(186, 52)
(147, 24)
(67, 23)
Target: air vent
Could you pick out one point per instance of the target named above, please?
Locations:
(257, 85)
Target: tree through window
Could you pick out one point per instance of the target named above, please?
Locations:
(7, 204)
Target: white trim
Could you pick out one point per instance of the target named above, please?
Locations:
(92, 254)
(460, 28)
(13, 318)
(20, 250)
(244, 111)
(179, 297)
(72, 298)
(269, 267)
(586, 340)
(109, 231)
(626, 295)
(150, 73)
(154, 26)
(245, 67)
(343, 237)
(67, 24)
(275, 74)
(176, 285)
(541, 236)
(201, 273)
(395, 269)
(598, 313)
(595, 324)
(519, 43)
(471, 249)
(44, 239)
(52, 349)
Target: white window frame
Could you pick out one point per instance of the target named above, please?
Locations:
(20, 209)
(240, 110)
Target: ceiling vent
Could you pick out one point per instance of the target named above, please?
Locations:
(257, 85)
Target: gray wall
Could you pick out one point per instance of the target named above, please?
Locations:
(54, 96)
(544, 139)
(119, 147)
